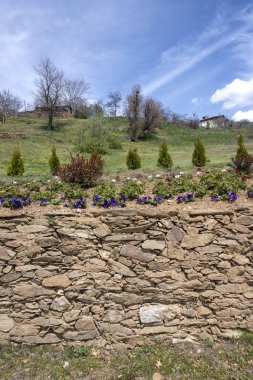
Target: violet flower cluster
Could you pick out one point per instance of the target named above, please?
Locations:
(231, 197)
(149, 200)
(111, 202)
(80, 203)
(185, 198)
(44, 202)
(14, 202)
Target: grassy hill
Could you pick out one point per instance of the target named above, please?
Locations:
(36, 148)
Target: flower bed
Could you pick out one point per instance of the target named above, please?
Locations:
(153, 190)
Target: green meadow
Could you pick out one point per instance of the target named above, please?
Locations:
(36, 148)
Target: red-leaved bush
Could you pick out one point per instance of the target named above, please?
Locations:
(243, 163)
(82, 170)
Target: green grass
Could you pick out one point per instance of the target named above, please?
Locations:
(226, 360)
(220, 145)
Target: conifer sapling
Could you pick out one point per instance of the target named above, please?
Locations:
(16, 166)
(164, 158)
(54, 162)
(199, 155)
(133, 160)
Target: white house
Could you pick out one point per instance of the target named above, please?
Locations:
(213, 121)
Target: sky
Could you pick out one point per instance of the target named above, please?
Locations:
(194, 56)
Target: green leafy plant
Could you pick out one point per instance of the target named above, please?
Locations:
(114, 142)
(54, 162)
(199, 155)
(164, 158)
(98, 144)
(16, 165)
(221, 183)
(183, 184)
(106, 190)
(162, 188)
(74, 191)
(133, 160)
(132, 189)
(37, 196)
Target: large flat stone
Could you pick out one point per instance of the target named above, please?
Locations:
(120, 268)
(32, 291)
(245, 220)
(133, 252)
(126, 237)
(200, 240)
(24, 330)
(85, 323)
(59, 281)
(6, 254)
(60, 304)
(6, 323)
(175, 234)
(102, 231)
(31, 228)
(10, 277)
(153, 245)
(157, 313)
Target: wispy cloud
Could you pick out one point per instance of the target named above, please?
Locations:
(188, 54)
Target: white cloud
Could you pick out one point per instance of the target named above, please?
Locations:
(195, 101)
(238, 93)
(243, 115)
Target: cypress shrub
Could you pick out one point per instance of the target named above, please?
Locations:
(199, 154)
(133, 160)
(16, 166)
(54, 162)
(241, 150)
(164, 158)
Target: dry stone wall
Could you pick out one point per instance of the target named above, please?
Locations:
(125, 276)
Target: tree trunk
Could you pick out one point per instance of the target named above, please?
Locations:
(50, 121)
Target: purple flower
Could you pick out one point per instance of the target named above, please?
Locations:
(214, 198)
(232, 197)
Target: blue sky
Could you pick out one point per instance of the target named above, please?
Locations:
(194, 56)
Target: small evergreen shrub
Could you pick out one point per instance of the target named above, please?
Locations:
(133, 160)
(241, 150)
(16, 166)
(132, 189)
(54, 162)
(82, 170)
(199, 155)
(164, 158)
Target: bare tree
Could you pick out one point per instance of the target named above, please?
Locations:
(75, 94)
(49, 88)
(114, 102)
(144, 115)
(153, 114)
(133, 108)
(9, 104)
